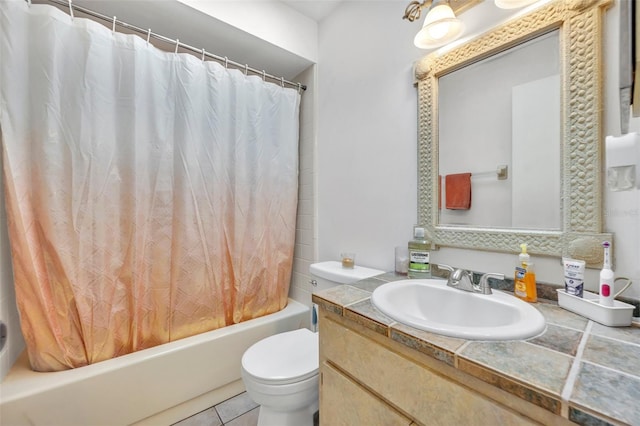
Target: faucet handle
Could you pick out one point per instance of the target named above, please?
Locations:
(445, 267)
(484, 281)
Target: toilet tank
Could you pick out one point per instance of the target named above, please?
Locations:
(331, 273)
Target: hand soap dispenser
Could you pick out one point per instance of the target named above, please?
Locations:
(524, 278)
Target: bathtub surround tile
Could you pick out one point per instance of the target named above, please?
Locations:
(439, 347)
(618, 355)
(561, 339)
(543, 368)
(234, 407)
(597, 388)
(554, 314)
(367, 315)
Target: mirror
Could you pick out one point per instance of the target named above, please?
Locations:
(510, 106)
(574, 229)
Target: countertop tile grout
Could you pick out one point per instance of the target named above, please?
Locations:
(572, 377)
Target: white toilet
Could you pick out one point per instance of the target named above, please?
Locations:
(280, 372)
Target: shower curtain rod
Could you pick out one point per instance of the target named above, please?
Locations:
(177, 42)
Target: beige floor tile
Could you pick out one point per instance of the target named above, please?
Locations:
(247, 419)
(234, 407)
(208, 417)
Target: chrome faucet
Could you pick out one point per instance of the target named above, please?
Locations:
(463, 280)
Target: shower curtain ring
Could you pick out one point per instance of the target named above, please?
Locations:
(226, 63)
(70, 9)
(299, 88)
(203, 53)
(113, 27)
(264, 76)
(177, 45)
(246, 69)
(282, 82)
(148, 36)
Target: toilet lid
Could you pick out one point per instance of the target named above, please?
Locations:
(283, 358)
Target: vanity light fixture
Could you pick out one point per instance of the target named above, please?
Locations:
(513, 4)
(440, 25)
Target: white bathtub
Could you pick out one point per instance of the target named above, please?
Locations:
(158, 386)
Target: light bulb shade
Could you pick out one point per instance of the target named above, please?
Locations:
(440, 27)
(513, 4)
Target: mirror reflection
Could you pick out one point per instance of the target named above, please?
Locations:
(503, 112)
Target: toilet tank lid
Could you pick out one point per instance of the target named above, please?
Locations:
(333, 271)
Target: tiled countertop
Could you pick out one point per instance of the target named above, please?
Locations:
(579, 369)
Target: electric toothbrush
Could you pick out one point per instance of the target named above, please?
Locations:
(606, 278)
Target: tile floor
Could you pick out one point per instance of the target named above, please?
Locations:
(237, 411)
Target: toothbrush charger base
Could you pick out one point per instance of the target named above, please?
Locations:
(618, 315)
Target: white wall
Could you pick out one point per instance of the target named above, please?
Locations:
(367, 180)
(271, 21)
(367, 139)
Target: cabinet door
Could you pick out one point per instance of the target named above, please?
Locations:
(344, 402)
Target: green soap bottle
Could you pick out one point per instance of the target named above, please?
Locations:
(419, 266)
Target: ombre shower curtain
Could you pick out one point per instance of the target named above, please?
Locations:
(150, 195)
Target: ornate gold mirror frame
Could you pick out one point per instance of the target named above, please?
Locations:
(581, 236)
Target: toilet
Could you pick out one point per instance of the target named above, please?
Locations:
(280, 372)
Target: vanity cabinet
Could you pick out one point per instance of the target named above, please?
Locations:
(345, 402)
(366, 378)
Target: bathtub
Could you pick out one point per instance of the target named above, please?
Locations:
(155, 386)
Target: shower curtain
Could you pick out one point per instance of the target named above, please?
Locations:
(150, 195)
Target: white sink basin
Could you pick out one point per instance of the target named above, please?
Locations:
(428, 304)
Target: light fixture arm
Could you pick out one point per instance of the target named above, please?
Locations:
(413, 10)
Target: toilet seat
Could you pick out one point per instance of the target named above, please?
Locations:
(283, 358)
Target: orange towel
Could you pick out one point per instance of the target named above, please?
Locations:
(458, 189)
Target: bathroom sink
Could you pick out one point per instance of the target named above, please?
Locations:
(430, 305)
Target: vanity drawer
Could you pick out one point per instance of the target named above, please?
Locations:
(344, 402)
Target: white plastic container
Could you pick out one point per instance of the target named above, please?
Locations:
(618, 315)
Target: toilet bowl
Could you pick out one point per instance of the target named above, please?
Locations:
(280, 374)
